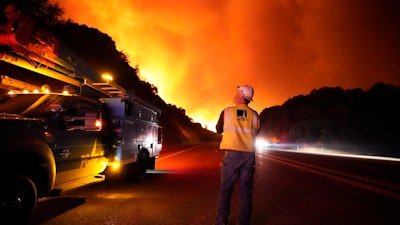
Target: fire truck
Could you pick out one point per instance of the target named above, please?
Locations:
(53, 142)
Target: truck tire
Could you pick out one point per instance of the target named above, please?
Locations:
(141, 167)
(136, 171)
(151, 165)
(18, 198)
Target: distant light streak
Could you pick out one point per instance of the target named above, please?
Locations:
(320, 151)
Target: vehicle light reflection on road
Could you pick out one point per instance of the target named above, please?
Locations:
(167, 172)
(176, 163)
(117, 195)
(176, 167)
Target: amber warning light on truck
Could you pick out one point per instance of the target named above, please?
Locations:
(98, 124)
(115, 165)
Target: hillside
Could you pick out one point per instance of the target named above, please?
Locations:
(97, 51)
(100, 53)
(355, 121)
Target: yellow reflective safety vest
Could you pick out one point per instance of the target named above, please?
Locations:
(241, 126)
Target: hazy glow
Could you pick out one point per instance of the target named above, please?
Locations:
(261, 144)
(197, 51)
(107, 77)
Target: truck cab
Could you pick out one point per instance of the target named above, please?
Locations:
(69, 125)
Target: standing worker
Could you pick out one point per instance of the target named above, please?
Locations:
(240, 125)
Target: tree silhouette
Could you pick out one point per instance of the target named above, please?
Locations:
(348, 120)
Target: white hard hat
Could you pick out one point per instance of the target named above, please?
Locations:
(246, 91)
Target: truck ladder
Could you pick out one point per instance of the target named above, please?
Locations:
(109, 88)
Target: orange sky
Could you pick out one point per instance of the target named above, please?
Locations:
(197, 51)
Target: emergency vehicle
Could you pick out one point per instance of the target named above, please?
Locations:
(54, 142)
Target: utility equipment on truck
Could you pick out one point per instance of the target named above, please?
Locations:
(53, 142)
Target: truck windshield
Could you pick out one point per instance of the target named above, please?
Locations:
(31, 105)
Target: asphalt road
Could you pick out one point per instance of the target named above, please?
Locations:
(183, 190)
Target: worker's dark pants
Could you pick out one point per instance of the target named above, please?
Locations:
(240, 166)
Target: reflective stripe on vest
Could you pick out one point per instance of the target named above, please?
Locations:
(230, 127)
(240, 127)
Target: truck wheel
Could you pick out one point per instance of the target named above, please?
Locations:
(151, 165)
(18, 198)
(141, 167)
(136, 171)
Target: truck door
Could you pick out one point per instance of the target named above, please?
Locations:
(78, 150)
(129, 144)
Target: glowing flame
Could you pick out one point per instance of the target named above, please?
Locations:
(197, 52)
